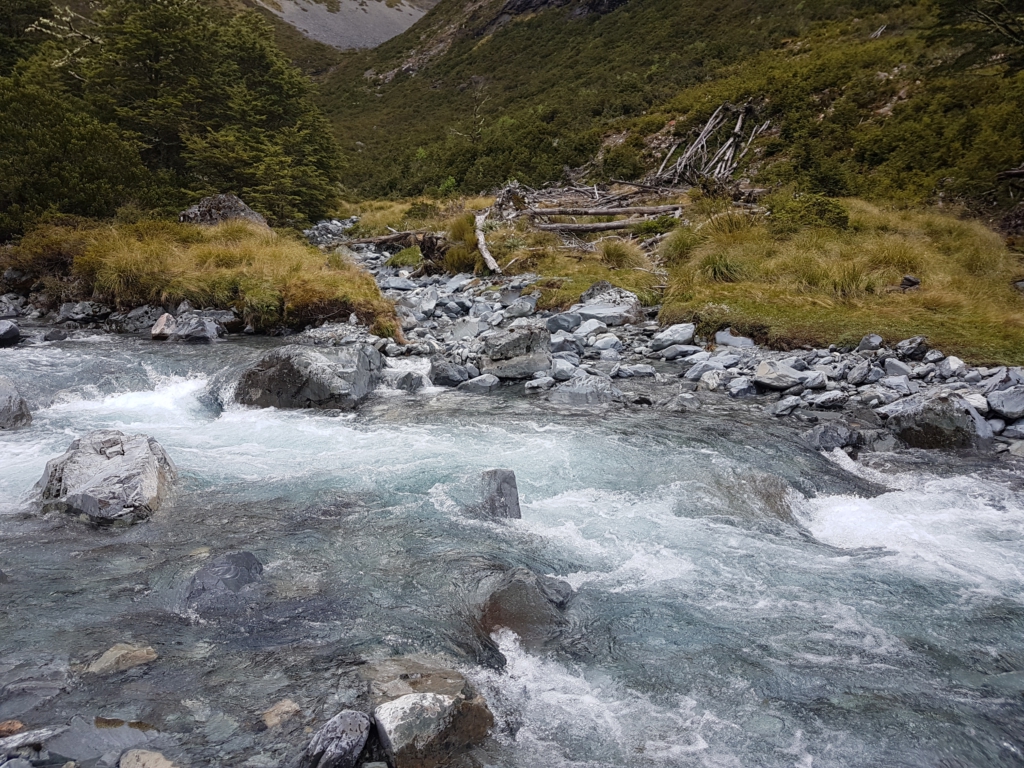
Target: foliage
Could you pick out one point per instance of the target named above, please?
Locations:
(653, 227)
(16, 37)
(791, 213)
(407, 257)
(622, 254)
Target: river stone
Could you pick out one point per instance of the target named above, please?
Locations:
(109, 477)
(410, 381)
(562, 370)
(144, 758)
(565, 343)
(425, 730)
(444, 373)
(681, 333)
(536, 386)
(785, 406)
(516, 353)
(195, 328)
(339, 743)
(774, 375)
(944, 420)
(228, 573)
(870, 343)
(677, 351)
(828, 437)
(1008, 403)
(529, 604)
(712, 381)
(613, 307)
(500, 494)
(701, 367)
(301, 377)
(813, 379)
(219, 208)
(14, 411)
(10, 333)
(121, 657)
(83, 312)
(742, 387)
(833, 399)
(894, 367)
(481, 385)
(37, 736)
(163, 327)
(913, 349)
(588, 390)
(281, 712)
(567, 321)
(726, 338)
(950, 367)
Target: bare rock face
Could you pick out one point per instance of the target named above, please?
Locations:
(530, 605)
(109, 477)
(425, 713)
(218, 208)
(302, 377)
(14, 411)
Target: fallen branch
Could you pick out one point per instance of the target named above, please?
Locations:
(606, 226)
(481, 242)
(381, 239)
(642, 211)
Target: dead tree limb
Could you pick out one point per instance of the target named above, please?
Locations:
(481, 242)
(605, 226)
(641, 210)
(384, 239)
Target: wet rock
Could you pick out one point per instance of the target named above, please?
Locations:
(942, 420)
(531, 605)
(611, 306)
(523, 307)
(195, 328)
(684, 402)
(674, 334)
(481, 385)
(536, 386)
(726, 338)
(83, 312)
(231, 573)
(1008, 403)
(444, 373)
(10, 333)
(567, 321)
(589, 390)
(219, 208)
(712, 381)
(14, 410)
(163, 327)
(700, 368)
(424, 730)
(300, 377)
(785, 406)
(35, 737)
(121, 657)
(1013, 431)
(92, 745)
(411, 382)
(500, 494)
(898, 384)
(143, 758)
(742, 387)
(55, 334)
(339, 743)
(913, 349)
(773, 375)
(828, 437)
(870, 343)
(281, 712)
(517, 353)
(109, 477)
(28, 680)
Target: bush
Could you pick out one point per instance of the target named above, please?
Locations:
(622, 254)
(407, 257)
(788, 214)
(654, 227)
(677, 247)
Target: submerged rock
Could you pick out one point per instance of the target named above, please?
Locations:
(424, 730)
(339, 743)
(301, 377)
(121, 657)
(500, 494)
(226, 574)
(828, 437)
(530, 605)
(109, 477)
(944, 420)
(14, 411)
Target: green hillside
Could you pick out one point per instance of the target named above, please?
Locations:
(928, 109)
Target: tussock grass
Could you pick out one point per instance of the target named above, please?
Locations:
(269, 278)
(622, 254)
(821, 285)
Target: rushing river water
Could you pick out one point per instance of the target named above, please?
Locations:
(740, 600)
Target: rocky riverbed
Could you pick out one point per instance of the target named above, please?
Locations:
(522, 538)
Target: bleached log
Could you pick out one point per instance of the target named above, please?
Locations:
(481, 242)
(636, 210)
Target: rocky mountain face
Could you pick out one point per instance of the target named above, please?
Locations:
(347, 24)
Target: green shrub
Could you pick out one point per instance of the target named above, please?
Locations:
(407, 257)
(791, 213)
(677, 247)
(654, 227)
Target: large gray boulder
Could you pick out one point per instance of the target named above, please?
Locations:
(1008, 403)
(444, 373)
(10, 333)
(682, 333)
(109, 477)
(339, 743)
(612, 306)
(944, 420)
(500, 494)
(774, 375)
(302, 377)
(585, 390)
(14, 410)
(531, 605)
(517, 353)
(219, 208)
(195, 328)
(83, 312)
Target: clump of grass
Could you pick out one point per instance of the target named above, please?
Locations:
(789, 213)
(407, 257)
(821, 285)
(269, 278)
(654, 227)
(678, 246)
(622, 254)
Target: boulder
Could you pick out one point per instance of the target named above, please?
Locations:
(83, 312)
(195, 328)
(562, 370)
(613, 307)
(712, 381)
(55, 334)
(833, 399)
(567, 321)
(14, 411)
(681, 333)
(828, 437)
(774, 375)
(481, 385)
(121, 657)
(163, 327)
(726, 338)
(444, 373)
(339, 742)
(517, 353)
(410, 381)
(536, 386)
(913, 349)
(301, 377)
(500, 494)
(218, 208)
(742, 387)
(563, 341)
(109, 477)
(943, 420)
(424, 730)
(677, 351)
(1008, 403)
(785, 406)
(144, 758)
(950, 367)
(870, 343)
(894, 367)
(531, 605)
(10, 333)
(588, 390)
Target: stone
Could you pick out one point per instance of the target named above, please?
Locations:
(561, 370)
(826, 400)
(613, 307)
(610, 355)
(590, 328)
(1017, 449)
(397, 284)
(500, 494)
(637, 371)
(742, 386)
(566, 321)
(899, 384)
(10, 333)
(773, 375)
(1014, 431)
(674, 334)
(196, 329)
(950, 367)
(83, 312)
(29, 738)
(55, 334)
(423, 730)
(978, 400)
(108, 477)
(677, 351)
(543, 384)
(913, 349)
(144, 758)
(894, 367)
(828, 437)
(727, 338)
(296, 376)
(859, 373)
(998, 426)
(410, 381)
(813, 379)
(607, 341)
(282, 711)
(516, 353)
(121, 657)
(589, 390)
(712, 381)
(785, 406)
(339, 743)
(14, 410)
(163, 327)
(684, 402)
(700, 368)
(564, 342)
(446, 374)
(1008, 403)
(11, 727)
(481, 385)
(230, 573)
(531, 605)
(870, 343)
(944, 420)
(523, 307)
(219, 208)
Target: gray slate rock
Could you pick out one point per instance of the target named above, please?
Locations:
(773, 375)
(929, 420)
(339, 743)
(589, 390)
(55, 334)
(517, 353)
(677, 351)
(894, 367)
(410, 381)
(567, 321)
(302, 377)
(785, 406)
(109, 477)
(219, 208)
(500, 494)
(531, 605)
(1008, 403)
(870, 343)
(673, 335)
(228, 573)
(913, 349)
(727, 338)
(742, 387)
(828, 437)
(10, 333)
(196, 329)
(83, 312)
(444, 373)
(481, 385)
(562, 370)
(613, 307)
(14, 410)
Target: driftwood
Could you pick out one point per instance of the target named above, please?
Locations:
(481, 242)
(605, 226)
(639, 210)
(394, 237)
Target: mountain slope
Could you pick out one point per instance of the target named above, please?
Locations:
(347, 24)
